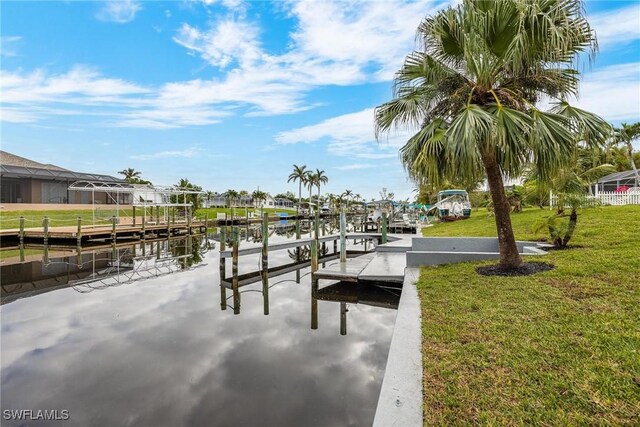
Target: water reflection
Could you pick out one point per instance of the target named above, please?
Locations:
(161, 352)
(98, 268)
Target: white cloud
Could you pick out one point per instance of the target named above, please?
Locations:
(354, 166)
(617, 27)
(612, 92)
(119, 11)
(186, 153)
(350, 135)
(7, 45)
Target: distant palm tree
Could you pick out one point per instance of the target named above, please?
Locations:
(231, 196)
(347, 194)
(471, 91)
(626, 135)
(260, 197)
(130, 174)
(321, 178)
(312, 181)
(299, 174)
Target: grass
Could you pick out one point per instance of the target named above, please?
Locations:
(212, 212)
(556, 348)
(58, 218)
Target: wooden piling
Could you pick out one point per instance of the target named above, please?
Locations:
(314, 255)
(45, 227)
(265, 262)
(21, 233)
(384, 227)
(206, 222)
(134, 214)
(113, 228)
(234, 271)
(79, 232)
(188, 220)
(343, 237)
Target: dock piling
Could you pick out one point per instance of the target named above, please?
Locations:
(234, 270)
(79, 232)
(384, 227)
(265, 262)
(343, 237)
(45, 226)
(21, 233)
(113, 228)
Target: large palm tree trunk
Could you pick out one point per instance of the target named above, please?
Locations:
(509, 256)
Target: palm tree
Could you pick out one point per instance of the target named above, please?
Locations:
(321, 178)
(569, 184)
(130, 175)
(312, 181)
(471, 89)
(299, 174)
(346, 195)
(626, 135)
(260, 197)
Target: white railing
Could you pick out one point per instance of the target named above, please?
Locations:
(629, 197)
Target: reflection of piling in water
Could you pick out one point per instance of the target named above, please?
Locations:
(223, 263)
(343, 318)
(79, 232)
(234, 271)
(265, 262)
(314, 304)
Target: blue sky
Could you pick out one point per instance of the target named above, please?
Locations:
(231, 94)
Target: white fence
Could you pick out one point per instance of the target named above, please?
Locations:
(630, 197)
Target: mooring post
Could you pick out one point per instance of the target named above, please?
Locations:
(134, 214)
(45, 255)
(298, 238)
(143, 233)
(45, 226)
(234, 270)
(113, 228)
(79, 232)
(343, 237)
(265, 261)
(79, 256)
(314, 256)
(21, 233)
(343, 318)
(206, 222)
(223, 263)
(314, 303)
(189, 220)
(384, 227)
(316, 224)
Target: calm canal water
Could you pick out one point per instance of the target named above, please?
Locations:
(133, 339)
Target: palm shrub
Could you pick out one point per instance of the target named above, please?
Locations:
(569, 185)
(470, 92)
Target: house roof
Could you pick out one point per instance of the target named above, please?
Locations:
(8, 159)
(12, 166)
(618, 176)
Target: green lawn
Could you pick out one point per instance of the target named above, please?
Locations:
(59, 218)
(556, 348)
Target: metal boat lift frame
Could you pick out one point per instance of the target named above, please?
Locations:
(156, 192)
